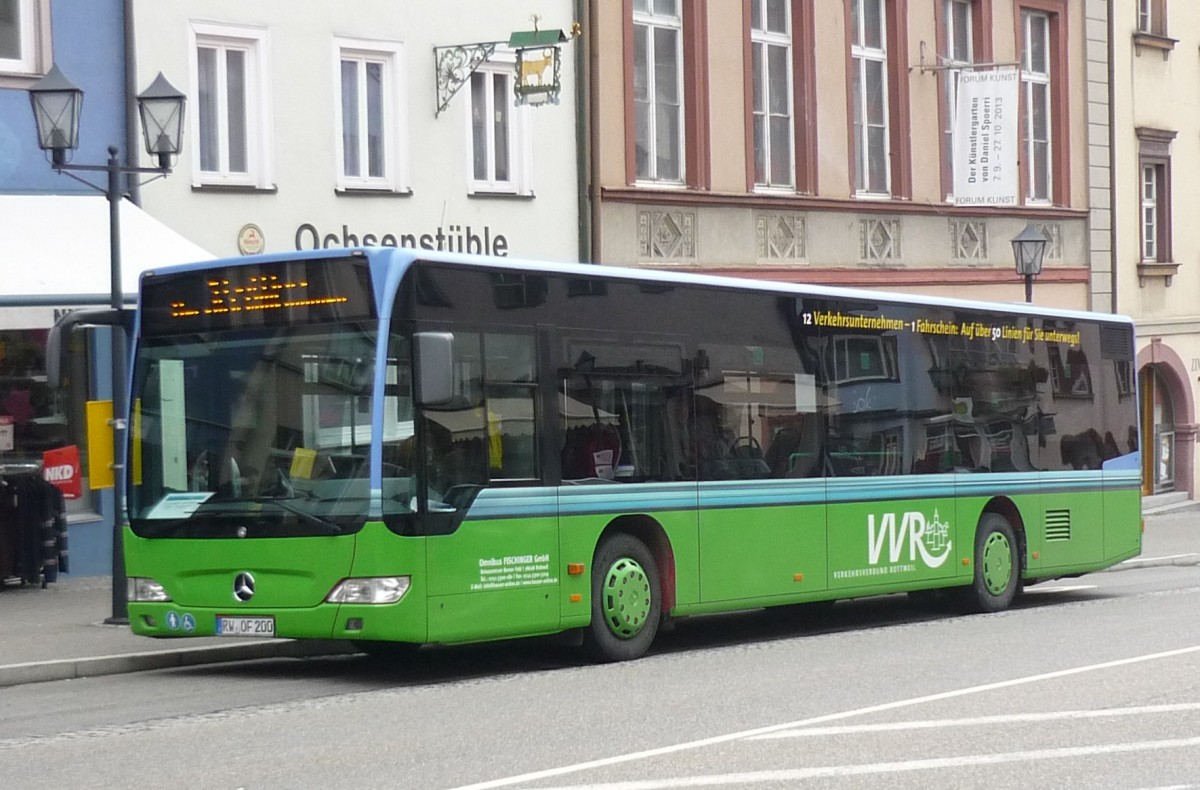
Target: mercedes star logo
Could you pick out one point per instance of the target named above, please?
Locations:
(243, 586)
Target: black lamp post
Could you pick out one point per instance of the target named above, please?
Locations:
(1029, 247)
(56, 107)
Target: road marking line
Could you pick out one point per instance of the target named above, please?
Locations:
(1064, 588)
(1139, 560)
(934, 764)
(1011, 718)
(886, 706)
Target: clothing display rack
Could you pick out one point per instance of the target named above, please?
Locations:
(33, 527)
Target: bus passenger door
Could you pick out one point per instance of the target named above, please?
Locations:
(493, 563)
(758, 434)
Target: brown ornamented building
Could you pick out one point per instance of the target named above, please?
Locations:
(814, 141)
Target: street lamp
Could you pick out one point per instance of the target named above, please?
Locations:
(1029, 247)
(57, 103)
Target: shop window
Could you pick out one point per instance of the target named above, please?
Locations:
(33, 417)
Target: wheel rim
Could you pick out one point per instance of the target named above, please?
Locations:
(997, 563)
(626, 602)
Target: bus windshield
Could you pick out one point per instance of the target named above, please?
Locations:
(261, 432)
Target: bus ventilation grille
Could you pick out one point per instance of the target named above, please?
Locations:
(1058, 525)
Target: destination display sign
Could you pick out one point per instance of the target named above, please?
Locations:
(259, 294)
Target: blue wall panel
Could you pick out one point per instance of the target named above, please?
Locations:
(88, 44)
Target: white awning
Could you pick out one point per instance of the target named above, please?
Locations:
(58, 245)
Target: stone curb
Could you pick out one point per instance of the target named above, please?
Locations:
(72, 668)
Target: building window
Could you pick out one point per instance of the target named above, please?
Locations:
(24, 39)
(1154, 158)
(658, 90)
(868, 56)
(959, 30)
(1151, 183)
(1152, 17)
(498, 132)
(1036, 85)
(371, 130)
(231, 118)
(771, 64)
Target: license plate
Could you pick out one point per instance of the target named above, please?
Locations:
(245, 626)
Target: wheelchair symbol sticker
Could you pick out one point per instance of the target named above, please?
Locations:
(189, 623)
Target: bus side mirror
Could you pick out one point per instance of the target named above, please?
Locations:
(435, 367)
(58, 341)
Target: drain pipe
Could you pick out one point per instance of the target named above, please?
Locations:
(582, 122)
(132, 188)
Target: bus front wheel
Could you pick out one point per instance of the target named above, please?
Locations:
(626, 600)
(997, 566)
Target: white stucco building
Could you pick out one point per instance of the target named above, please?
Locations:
(321, 126)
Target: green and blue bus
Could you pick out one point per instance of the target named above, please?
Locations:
(398, 447)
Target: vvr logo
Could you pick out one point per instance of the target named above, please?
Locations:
(929, 539)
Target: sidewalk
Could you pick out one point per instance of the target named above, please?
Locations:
(59, 632)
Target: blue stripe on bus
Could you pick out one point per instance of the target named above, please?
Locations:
(579, 500)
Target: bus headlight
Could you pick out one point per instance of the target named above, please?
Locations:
(379, 589)
(142, 590)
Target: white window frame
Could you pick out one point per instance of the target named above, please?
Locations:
(861, 55)
(390, 55)
(954, 66)
(1146, 19)
(762, 41)
(652, 20)
(1030, 79)
(502, 65)
(34, 36)
(254, 42)
(1149, 212)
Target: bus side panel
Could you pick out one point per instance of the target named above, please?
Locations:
(381, 552)
(880, 534)
(752, 545)
(1069, 524)
(1122, 515)
(585, 511)
(494, 577)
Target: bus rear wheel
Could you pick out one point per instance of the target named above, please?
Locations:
(997, 566)
(626, 600)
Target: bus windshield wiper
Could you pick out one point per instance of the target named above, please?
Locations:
(305, 516)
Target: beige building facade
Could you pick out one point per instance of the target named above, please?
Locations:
(1156, 133)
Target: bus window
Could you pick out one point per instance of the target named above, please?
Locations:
(623, 413)
(454, 433)
(511, 417)
(757, 414)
